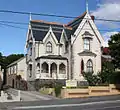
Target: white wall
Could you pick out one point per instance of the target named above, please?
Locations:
(22, 68)
(42, 47)
(78, 47)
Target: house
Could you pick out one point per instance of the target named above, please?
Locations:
(16, 71)
(63, 51)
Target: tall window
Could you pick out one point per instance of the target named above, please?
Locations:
(86, 44)
(89, 66)
(30, 67)
(49, 47)
(82, 66)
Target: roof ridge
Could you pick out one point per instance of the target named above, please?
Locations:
(47, 22)
(54, 23)
(76, 18)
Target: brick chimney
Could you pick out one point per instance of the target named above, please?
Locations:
(93, 17)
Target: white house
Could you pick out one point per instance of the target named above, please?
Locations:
(16, 69)
(63, 51)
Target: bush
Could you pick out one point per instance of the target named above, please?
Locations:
(92, 78)
(58, 88)
(115, 78)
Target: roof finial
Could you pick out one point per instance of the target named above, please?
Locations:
(87, 6)
(30, 16)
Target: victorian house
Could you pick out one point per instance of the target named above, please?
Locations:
(63, 51)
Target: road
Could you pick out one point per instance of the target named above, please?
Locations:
(92, 103)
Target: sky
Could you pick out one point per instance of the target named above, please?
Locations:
(12, 40)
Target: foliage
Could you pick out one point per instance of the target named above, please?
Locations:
(106, 76)
(114, 45)
(92, 78)
(58, 88)
(106, 73)
(6, 60)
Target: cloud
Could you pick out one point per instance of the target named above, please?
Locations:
(108, 9)
(107, 37)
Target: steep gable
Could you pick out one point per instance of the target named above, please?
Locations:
(91, 27)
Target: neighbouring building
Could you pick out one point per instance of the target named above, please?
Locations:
(106, 54)
(17, 71)
(63, 51)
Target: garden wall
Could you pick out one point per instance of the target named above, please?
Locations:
(90, 91)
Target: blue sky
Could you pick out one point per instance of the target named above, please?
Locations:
(12, 40)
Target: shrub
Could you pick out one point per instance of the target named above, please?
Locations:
(58, 88)
(92, 78)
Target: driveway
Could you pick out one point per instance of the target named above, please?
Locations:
(35, 96)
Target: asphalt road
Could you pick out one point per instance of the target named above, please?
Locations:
(92, 103)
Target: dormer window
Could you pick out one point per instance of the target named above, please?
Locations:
(87, 44)
(49, 47)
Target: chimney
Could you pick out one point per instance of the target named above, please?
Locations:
(93, 17)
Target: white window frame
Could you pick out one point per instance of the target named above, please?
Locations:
(49, 47)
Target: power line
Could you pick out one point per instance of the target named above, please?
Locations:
(18, 27)
(53, 15)
(40, 14)
(12, 26)
(11, 22)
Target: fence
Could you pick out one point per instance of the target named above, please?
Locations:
(91, 91)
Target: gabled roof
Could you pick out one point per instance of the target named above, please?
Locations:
(75, 23)
(40, 28)
(15, 62)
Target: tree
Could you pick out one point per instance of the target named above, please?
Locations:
(11, 58)
(114, 45)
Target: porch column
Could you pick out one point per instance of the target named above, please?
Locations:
(57, 71)
(49, 69)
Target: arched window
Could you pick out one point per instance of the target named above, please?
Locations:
(44, 68)
(82, 66)
(53, 69)
(89, 66)
(38, 67)
(62, 68)
(49, 47)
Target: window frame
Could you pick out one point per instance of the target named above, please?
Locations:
(86, 44)
(89, 66)
(49, 47)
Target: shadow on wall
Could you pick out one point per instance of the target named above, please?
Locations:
(20, 83)
(1, 83)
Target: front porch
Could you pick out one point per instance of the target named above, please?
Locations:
(51, 68)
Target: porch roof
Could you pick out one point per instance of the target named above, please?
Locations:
(59, 57)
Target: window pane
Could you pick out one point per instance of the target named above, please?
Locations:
(89, 66)
(49, 47)
(86, 44)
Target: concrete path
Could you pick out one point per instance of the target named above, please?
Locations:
(35, 96)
